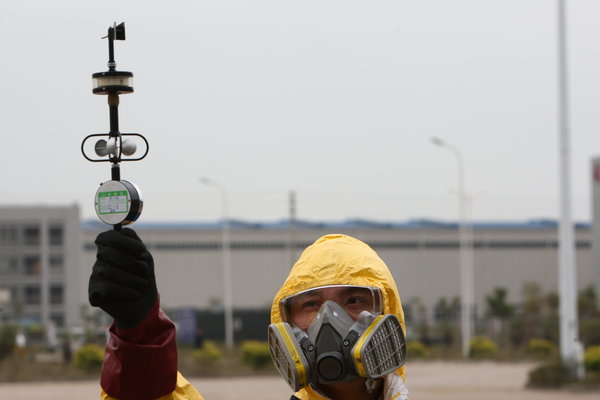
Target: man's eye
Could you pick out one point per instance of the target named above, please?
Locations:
(310, 304)
(357, 301)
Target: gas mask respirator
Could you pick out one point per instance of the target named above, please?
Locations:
(336, 348)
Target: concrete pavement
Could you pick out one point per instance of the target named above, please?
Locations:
(425, 380)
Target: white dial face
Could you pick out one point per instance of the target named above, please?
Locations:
(113, 202)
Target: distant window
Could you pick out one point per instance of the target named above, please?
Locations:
(8, 265)
(32, 294)
(8, 234)
(56, 235)
(31, 235)
(56, 294)
(56, 262)
(31, 265)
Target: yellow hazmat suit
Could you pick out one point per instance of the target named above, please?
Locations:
(183, 391)
(338, 259)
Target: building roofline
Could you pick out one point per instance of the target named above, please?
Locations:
(532, 224)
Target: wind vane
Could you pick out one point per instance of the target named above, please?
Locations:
(118, 202)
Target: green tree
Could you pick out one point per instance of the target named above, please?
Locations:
(446, 314)
(532, 309)
(589, 316)
(587, 303)
(454, 308)
(7, 339)
(499, 310)
(550, 321)
(418, 313)
(497, 305)
(552, 302)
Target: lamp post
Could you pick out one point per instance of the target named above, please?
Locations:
(570, 346)
(465, 253)
(226, 260)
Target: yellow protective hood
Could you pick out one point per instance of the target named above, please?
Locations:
(337, 259)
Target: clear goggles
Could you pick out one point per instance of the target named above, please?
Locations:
(300, 308)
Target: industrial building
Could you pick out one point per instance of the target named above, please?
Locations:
(50, 244)
(46, 256)
(40, 265)
(422, 256)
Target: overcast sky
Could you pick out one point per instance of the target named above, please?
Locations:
(336, 100)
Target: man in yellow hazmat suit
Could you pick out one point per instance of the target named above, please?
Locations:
(337, 327)
(339, 288)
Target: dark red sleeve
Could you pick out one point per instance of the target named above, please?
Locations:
(140, 363)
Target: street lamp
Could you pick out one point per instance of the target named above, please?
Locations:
(570, 347)
(466, 256)
(226, 254)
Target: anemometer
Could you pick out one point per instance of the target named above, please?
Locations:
(117, 202)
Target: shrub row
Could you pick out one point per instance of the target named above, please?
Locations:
(256, 355)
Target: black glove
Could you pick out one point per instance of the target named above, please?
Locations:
(122, 281)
